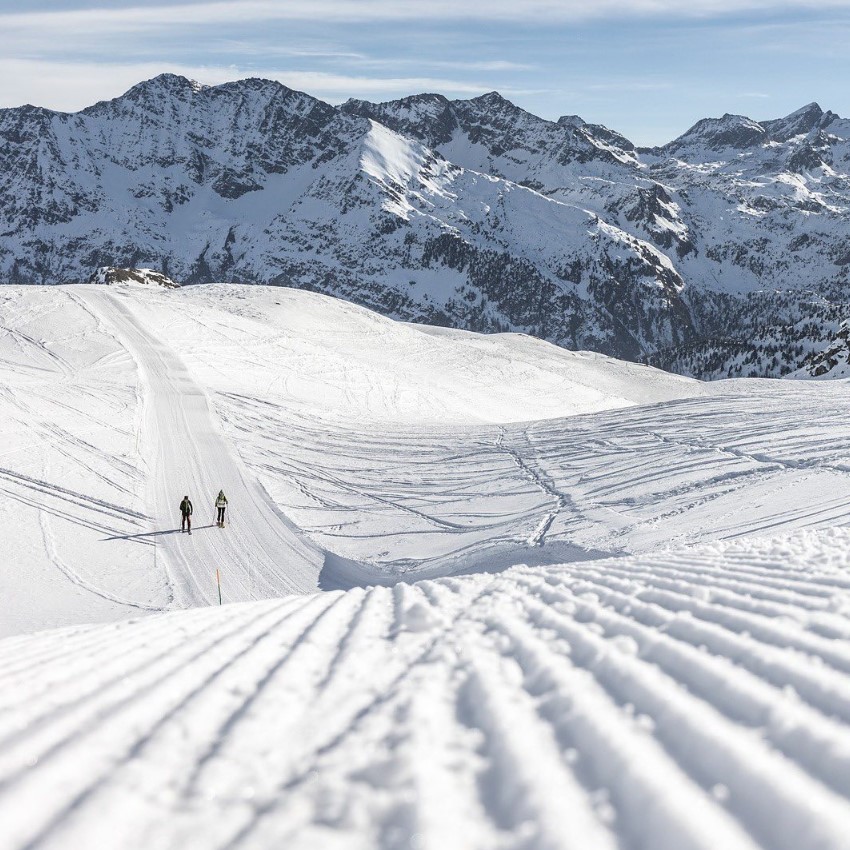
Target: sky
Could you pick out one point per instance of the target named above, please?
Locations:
(646, 68)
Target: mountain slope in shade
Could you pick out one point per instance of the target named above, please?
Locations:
(107, 276)
(751, 215)
(252, 181)
(833, 361)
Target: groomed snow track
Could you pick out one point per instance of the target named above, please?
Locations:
(699, 699)
(260, 554)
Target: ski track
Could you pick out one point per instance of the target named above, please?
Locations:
(573, 706)
(259, 554)
(431, 501)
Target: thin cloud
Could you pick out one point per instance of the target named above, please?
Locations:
(71, 86)
(442, 64)
(159, 17)
(257, 48)
(343, 85)
(363, 60)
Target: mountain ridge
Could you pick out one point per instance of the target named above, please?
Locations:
(178, 82)
(469, 212)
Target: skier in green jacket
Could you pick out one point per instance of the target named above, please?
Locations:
(220, 504)
(186, 513)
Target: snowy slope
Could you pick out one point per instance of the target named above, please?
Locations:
(73, 469)
(358, 449)
(118, 400)
(737, 206)
(699, 699)
(252, 181)
(570, 602)
(464, 213)
(334, 359)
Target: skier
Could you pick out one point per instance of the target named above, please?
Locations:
(186, 513)
(221, 504)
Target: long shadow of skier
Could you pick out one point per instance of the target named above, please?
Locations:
(147, 534)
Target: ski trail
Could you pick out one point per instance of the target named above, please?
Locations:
(539, 480)
(259, 554)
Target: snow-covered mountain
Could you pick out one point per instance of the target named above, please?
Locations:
(468, 213)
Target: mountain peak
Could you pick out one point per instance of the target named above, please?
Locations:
(715, 134)
(169, 83)
(493, 107)
(810, 109)
(799, 123)
(151, 94)
(733, 119)
(492, 99)
(426, 103)
(424, 97)
(425, 117)
(571, 121)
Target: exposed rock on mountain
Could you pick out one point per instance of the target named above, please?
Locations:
(731, 132)
(472, 213)
(799, 123)
(834, 360)
(108, 276)
(751, 215)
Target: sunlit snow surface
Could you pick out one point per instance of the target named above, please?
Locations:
(630, 621)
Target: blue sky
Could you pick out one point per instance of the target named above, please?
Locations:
(647, 68)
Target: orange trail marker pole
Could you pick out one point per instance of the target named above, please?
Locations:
(218, 582)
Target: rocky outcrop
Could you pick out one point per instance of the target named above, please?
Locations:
(109, 276)
(834, 360)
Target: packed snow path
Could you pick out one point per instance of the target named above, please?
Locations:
(258, 554)
(695, 701)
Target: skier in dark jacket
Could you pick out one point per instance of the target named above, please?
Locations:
(220, 504)
(186, 513)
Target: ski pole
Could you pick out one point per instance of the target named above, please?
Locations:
(218, 582)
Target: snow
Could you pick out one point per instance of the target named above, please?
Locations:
(593, 705)
(117, 400)
(481, 592)
(392, 161)
(334, 359)
(501, 219)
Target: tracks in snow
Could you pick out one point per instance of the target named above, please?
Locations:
(539, 479)
(439, 500)
(260, 554)
(633, 703)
